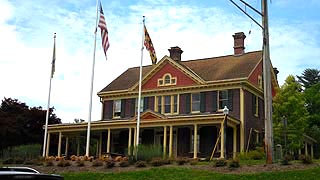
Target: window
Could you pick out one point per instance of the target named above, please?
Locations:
(116, 108)
(223, 99)
(167, 104)
(167, 80)
(260, 82)
(195, 102)
(255, 105)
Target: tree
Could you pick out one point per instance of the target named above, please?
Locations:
(289, 103)
(309, 77)
(20, 124)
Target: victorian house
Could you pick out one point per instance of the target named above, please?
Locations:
(181, 107)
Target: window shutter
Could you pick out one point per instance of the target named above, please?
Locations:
(151, 103)
(182, 106)
(203, 102)
(253, 108)
(107, 109)
(214, 101)
(145, 103)
(188, 103)
(123, 108)
(230, 99)
(132, 106)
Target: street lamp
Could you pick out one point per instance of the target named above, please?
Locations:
(225, 112)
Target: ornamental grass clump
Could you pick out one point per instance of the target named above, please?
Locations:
(157, 162)
(140, 164)
(97, 163)
(124, 163)
(234, 163)
(80, 163)
(219, 162)
(182, 160)
(109, 163)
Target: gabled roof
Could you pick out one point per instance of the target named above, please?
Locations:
(209, 69)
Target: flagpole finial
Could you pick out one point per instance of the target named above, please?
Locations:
(143, 19)
(54, 35)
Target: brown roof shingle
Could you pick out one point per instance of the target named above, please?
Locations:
(209, 69)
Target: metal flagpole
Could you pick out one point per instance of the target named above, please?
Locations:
(48, 105)
(91, 89)
(139, 96)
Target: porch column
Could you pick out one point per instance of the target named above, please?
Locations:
(48, 145)
(170, 141)
(108, 141)
(67, 145)
(312, 151)
(306, 148)
(129, 142)
(234, 142)
(135, 142)
(195, 141)
(242, 109)
(164, 141)
(78, 146)
(59, 144)
(222, 141)
(100, 145)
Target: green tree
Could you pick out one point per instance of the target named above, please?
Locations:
(289, 103)
(20, 125)
(309, 77)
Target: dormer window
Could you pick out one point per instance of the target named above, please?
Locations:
(167, 80)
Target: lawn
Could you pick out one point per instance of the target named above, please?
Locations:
(176, 173)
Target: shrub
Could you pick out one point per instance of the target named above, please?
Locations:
(305, 159)
(141, 164)
(63, 163)
(182, 160)
(219, 162)
(97, 163)
(8, 161)
(48, 163)
(286, 159)
(255, 155)
(157, 162)
(147, 152)
(234, 163)
(110, 164)
(194, 162)
(80, 163)
(167, 161)
(124, 163)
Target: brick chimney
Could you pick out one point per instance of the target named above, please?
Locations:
(239, 43)
(175, 53)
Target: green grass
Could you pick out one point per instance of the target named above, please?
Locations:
(189, 174)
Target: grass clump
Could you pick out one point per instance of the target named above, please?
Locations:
(157, 162)
(63, 163)
(305, 159)
(97, 163)
(182, 160)
(234, 163)
(80, 163)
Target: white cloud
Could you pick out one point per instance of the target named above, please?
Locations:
(27, 29)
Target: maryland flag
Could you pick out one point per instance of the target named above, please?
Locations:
(149, 46)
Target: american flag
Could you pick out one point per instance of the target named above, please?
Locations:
(104, 31)
(149, 46)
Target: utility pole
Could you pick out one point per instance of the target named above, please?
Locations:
(267, 85)
(266, 75)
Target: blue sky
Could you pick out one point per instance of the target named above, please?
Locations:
(201, 28)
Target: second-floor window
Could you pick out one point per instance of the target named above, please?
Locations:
(223, 99)
(255, 105)
(117, 108)
(195, 102)
(167, 104)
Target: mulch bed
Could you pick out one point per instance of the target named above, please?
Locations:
(242, 169)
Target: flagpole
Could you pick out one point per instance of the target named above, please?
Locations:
(91, 89)
(139, 94)
(48, 104)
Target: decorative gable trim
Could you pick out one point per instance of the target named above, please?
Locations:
(150, 115)
(197, 79)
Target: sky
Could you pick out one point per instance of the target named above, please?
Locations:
(201, 28)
